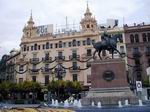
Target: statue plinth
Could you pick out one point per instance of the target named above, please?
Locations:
(109, 83)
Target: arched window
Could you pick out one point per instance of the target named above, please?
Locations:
(87, 26)
(132, 38)
(47, 45)
(74, 42)
(136, 38)
(35, 46)
(88, 41)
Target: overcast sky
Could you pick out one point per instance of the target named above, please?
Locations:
(15, 13)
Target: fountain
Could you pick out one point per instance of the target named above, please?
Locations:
(75, 102)
(99, 105)
(66, 104)
(92, 104)
(140, 103)
(79, 104)
(53, 102)
(119, 104)
(56, 103)
(126, 102)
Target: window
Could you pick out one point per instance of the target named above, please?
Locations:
(87, 26)
(74, 77)
(56, 45)
(93, 41)
(136, 50)
(74, 42)
(148, 37)
(51, 46)
(34, 66)
(60, 54)
(84, 42)
(148, 62)
(46, 79)
(74, 64)
(144, 37)
(24, 48)
(47, 55)
(20, 80)
(78, 43)
(137, 61)
(21, 68)
(47, 45)
(60, 44)
(39, 47)
(46, 65)
(35, 46)
(64, 44)
(34, 78)
(88, 41)
(74, 54)
(147, 49)
(69, 44)
(43, 46)
(27, 48)
(136, 38)
(31, 48)
(132, 38)
(89, 52)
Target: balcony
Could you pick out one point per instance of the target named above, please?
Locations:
(34, 71)
(46, 71)
(60, 58)
(72, 57)
(34, 60)
(47, 59)
(136, 54)
(147, 53)
(75, 69)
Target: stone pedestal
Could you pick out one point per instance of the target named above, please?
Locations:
(109, 83)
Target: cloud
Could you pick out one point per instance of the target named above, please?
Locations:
(15, 13)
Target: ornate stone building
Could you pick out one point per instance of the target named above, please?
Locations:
(70, 50)
(137, 39)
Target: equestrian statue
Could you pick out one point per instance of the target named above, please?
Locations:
(108, 43)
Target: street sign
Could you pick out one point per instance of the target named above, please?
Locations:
(148, 71)
(139, 85)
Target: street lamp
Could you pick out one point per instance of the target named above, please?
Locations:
(59, 72)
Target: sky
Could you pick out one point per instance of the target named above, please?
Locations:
(14, 14)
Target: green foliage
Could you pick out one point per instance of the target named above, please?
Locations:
(64, 89)
(146, 82)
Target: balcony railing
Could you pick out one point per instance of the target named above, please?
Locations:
(34, 60)
(34, 71)
(46, 71)
(74, 57)
(75, 69)
(47, 59)
(147, 53)
(60, 58)
(136, 54)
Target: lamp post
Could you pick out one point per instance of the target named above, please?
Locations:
(59, 72)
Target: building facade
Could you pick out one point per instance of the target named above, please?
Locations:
(40, 54)
(137, 39)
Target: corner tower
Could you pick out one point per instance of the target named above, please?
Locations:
(88, 23)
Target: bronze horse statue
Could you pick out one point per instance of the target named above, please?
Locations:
(108, 43)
